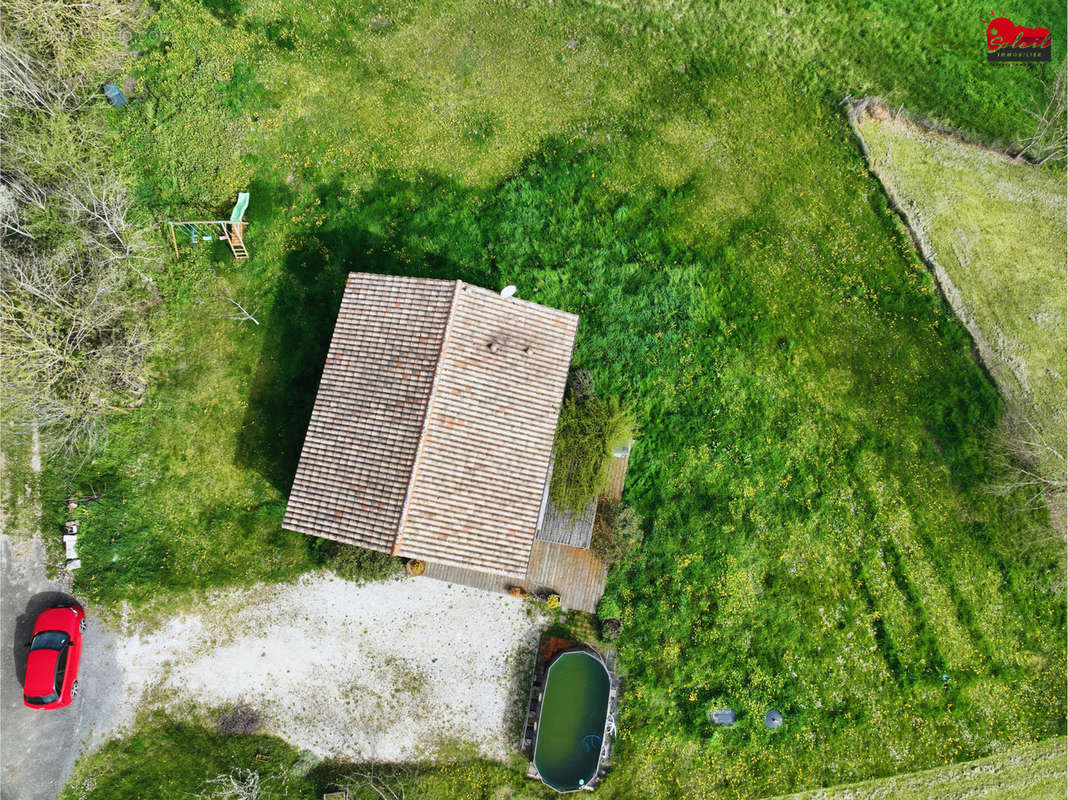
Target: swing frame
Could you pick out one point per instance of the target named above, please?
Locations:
(233, 233)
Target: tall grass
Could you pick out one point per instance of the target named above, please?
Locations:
(588, 431)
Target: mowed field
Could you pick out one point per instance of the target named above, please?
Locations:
(1035, 772)
(998, 230)
(812, 463)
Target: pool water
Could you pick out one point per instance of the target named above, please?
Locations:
(571, 724)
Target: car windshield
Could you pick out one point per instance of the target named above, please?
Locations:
(43, 701)
(50, 640)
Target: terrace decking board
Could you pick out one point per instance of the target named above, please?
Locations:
(577, 575)
(575, 528)
(614, 491)
(573, 572)
(572, 528)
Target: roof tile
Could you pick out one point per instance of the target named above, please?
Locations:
(433, 427)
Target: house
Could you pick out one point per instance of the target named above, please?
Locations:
(432, 432)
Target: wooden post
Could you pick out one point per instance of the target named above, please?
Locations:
(174, 241)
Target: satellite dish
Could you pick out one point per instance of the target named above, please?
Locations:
(508, 291)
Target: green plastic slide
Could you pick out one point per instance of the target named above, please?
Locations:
(239, 210)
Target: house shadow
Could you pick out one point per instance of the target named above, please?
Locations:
(299, 324)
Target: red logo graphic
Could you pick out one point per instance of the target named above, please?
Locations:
(1006, 41)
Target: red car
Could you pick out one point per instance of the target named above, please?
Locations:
(55, 650)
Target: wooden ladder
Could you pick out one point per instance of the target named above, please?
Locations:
(236, 241)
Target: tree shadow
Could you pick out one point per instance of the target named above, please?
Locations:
(20, 646)
(307, 296)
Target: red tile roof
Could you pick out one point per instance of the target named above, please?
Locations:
(433, 426)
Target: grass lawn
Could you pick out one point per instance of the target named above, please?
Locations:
(998, 229)
(811, 460)
(172, 758)
(1034, 772)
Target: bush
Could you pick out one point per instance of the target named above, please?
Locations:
(608, 609)
(609, 614)
(616, 531)
(588, 430)
(361, 565)
(610, 629)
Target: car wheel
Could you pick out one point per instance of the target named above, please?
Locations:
(83, 625)
(74, 689)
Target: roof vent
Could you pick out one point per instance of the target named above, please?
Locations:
(494, 346)
(528, 350)
(508, 291)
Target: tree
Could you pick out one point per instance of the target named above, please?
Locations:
(1050, 138)
(74, 288)
(1031, 462)
(72, 319)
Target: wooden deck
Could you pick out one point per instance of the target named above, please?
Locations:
(574, 573)
(614, 491)
(573, 528)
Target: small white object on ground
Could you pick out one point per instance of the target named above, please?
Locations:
(69, 540)
(73, 564)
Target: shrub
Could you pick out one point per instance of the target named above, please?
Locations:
(361, 565)
(580, 386)
(608, 609)
(588, 430)
(610, 629)
(609, 613)
(617, 530)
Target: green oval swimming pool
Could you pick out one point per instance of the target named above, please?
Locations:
(567, 751)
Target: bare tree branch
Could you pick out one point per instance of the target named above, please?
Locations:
(72, 321)
(381, 782)
(241, 315)
(245, 784)
(1050, 137)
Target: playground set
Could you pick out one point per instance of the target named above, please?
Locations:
(231, 231)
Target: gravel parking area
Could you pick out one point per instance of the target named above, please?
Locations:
(39, 748)
(388, 670)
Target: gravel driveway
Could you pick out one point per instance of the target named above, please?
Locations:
(387, 670)
(40, 747)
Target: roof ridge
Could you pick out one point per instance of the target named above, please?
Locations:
(531, 305)
(457, 287)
